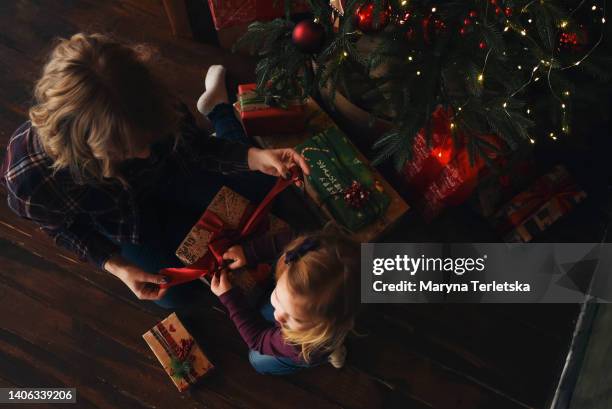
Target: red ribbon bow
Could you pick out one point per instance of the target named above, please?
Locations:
(222, 238)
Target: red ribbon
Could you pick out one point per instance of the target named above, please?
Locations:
(223, 237)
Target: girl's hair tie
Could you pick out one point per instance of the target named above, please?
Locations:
(307, 245)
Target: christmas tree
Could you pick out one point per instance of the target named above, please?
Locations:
(509, 68)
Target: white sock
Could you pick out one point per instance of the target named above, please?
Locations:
(215, 92)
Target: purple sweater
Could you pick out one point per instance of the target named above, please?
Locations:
(259, 334)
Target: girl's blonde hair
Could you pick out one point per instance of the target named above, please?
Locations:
(97, 104)
(327, 276)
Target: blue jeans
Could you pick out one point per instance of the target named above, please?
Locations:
(269, 364)
(167, 215)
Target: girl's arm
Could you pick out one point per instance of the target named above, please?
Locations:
(259, 334)
(267, 247)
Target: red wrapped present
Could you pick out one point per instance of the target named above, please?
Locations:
(428, 160)
(262, 117)
(177, 351)
(549, 198)
(229, 13)
(453, 186)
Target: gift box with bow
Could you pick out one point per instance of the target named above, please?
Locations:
(229, 220)
(177, 351)
(267, 116)
(533, 210)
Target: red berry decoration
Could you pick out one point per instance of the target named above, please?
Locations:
(365, 21)
(498, 10)
(473, 14)
(308, 36)
(508, 11)
(356, 195)
(462, 31)
(482, 45)
(467, 22)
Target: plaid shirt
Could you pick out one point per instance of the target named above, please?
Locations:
(91, 219)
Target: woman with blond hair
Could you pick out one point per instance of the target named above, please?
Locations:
(113, 167)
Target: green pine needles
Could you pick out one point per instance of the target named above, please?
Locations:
(503, 67)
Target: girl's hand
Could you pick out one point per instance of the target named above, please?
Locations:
(235, 253)
(276, 162)
(144, 285)
(220, 283)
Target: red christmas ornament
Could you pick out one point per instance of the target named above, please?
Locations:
(467, 22)
(308, 36)
(508, 11)
(365, 21)
(473, 14)
(356, 195)
(573, 41)
(482, 45)
(498, 10)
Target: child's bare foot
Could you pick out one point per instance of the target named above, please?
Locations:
(215, 89)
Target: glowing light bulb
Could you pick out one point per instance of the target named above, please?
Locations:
(603, 20)
(536, 79)
(531, 140)
(519, 67)
(577, 63)
(480, 78)
(528, 111)
(433, 9)
(523, 32)
(530, 21)
(452, 125)
(459, 109)
(404, 2)
(505, 104)
(563, 106)
(345, 54)
(506, 28)
(409, 58)
(563, 24)
(418, 73)
(594, 8)
(566, 93)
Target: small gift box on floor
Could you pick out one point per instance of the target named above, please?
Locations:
(263, 116)
(177, 351)
(532, 211)
(230, 211)
(344, 184)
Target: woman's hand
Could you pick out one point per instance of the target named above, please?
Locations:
(236, 254)
(144, 285)
(220, 283)
(276, 162)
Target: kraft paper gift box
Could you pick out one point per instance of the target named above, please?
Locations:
(177, 351)
(231, 208)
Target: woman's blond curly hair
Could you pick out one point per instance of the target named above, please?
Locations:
(98, 104)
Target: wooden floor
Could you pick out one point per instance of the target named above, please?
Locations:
(63, 323)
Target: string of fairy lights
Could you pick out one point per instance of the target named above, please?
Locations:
(542, 68)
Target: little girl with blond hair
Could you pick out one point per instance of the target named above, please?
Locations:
(310, 311)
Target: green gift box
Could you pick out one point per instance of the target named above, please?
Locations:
(335, 166)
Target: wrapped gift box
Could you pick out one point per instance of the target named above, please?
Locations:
(177, 351)
(232, 208)
(260, 117)
(232, 18)
(336, 170)
(229, 13)
(532, 211)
